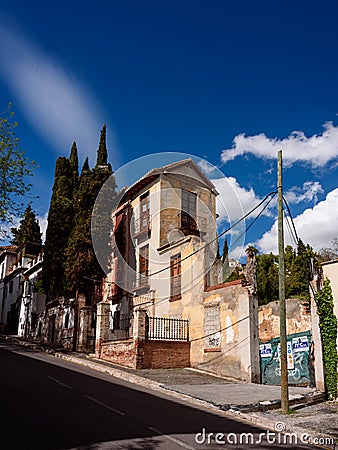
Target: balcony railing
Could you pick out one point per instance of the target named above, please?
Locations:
(196, 224)
(141, 281)
(143, 299)
(168, 329)
(142, 225)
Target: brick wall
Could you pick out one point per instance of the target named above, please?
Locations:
(147, 354)
(119, 352)
(166, 355)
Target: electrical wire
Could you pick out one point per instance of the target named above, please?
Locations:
(222, 233)
(254, 220)
(293, 223)
(271, 194)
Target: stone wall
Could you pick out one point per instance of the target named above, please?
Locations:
(298, 318)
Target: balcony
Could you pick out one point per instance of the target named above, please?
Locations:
(142, 226)
(141, 283)
(192, 225)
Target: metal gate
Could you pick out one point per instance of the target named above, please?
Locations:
(300, 361)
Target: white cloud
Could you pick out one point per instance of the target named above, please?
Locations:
(317, 149)
(234, 201)
(315, 226)
(309, 192)
(57, 105)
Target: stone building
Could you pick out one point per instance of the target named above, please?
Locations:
(165, 282)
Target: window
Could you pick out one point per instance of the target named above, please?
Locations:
(144, 211)
(175, 277)
(67, 320)
(188, 213)
(143, 265)
(10, 287)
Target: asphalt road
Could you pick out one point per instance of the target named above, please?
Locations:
(47, 403)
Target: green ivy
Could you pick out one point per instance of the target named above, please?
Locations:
(328, 331)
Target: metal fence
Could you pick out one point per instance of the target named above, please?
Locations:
(121, 328)
(169, 329)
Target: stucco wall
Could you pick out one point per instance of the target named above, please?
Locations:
(228, 344)
(298, 318)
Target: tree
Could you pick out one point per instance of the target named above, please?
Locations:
(81, 266)
(329, 253)
(60, 223)
(102, 154)
(29, 229)
(267, 278)
(299, 270)
(14, 167)
(74, 164)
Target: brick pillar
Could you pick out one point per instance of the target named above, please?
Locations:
(84, 326)
(102, 326)
(139, 335)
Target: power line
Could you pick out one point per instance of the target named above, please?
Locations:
(271, 194)
(223, 232)
(254, 220)
(293, 224)
(292, 236)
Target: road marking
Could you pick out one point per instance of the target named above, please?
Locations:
(104, 405)
(177, 441)
(59, 382)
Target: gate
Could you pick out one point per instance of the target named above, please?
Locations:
(168, 329)
(300, 367)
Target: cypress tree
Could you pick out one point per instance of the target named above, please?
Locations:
(102, 154)
(29, 229)
(60, 223)
(74, 163)
(81, 266)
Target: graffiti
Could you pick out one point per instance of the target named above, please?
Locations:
(298, 346)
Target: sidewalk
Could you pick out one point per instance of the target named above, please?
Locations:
(259, 404)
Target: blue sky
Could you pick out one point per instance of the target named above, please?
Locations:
(229, 83)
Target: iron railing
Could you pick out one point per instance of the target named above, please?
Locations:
(169, 329)
(141, 281)
(121, 328)
(189, 223)
(142, 225)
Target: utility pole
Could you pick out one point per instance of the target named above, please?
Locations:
(282, 308)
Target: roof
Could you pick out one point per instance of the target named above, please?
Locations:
(8, 248)
(154, 173)
(333, 261)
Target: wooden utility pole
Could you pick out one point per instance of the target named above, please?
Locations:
(282, 308)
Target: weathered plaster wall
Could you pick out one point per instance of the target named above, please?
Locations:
(298, 318)
(230, 343)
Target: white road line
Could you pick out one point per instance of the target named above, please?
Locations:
(104, 405)
(59, 382)
(177, 441)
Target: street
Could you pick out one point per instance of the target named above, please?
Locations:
(47, 403)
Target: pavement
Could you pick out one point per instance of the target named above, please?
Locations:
(311, 417)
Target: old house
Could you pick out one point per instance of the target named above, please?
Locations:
(164, 303)
(14, 262)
